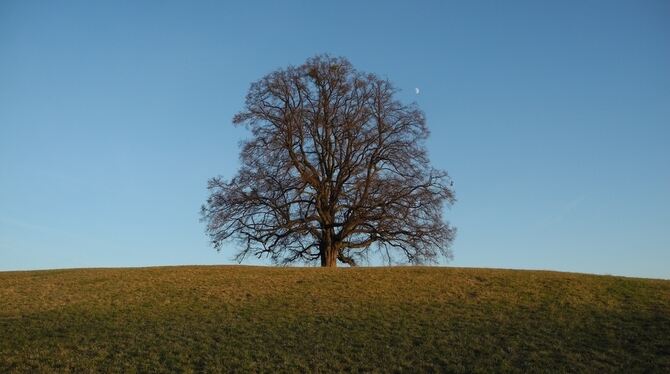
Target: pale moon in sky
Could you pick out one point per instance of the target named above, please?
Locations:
(417, 90)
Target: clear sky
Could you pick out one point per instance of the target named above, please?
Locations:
(553, 118)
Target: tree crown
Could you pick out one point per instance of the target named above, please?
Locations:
(336, 167)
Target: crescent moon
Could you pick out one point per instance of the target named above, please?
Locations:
(417, 90)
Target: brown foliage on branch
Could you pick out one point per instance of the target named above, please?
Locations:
(336, 167)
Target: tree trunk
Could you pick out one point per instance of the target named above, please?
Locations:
(329, 253)
(329, 258)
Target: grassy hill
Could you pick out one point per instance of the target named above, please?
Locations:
(310, 319)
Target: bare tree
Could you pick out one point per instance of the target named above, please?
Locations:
(336, 168)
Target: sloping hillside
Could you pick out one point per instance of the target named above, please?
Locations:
(311, 319)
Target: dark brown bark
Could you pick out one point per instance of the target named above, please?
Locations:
(329, 257)
(336, 166)
(329, 249)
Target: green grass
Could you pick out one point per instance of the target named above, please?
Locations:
(233, 318)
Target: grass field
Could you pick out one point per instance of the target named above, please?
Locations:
(234, 318)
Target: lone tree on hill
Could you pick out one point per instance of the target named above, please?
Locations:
(336, 168)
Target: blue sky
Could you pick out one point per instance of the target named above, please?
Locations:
(553, 118)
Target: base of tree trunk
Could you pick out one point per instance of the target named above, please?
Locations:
(329, 258)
